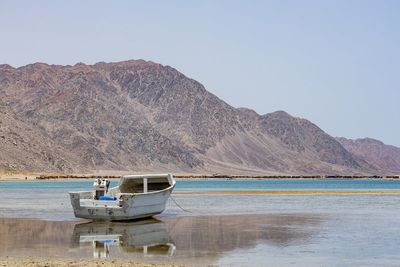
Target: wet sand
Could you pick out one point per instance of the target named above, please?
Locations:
(7, 177)
(36, 262)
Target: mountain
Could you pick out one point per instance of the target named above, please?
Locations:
(90, 116)
(138, 115)
(24, 147)
(375, 152)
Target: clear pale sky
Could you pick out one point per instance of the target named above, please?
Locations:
(336, 63)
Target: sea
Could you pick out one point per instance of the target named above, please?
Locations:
(202, 227)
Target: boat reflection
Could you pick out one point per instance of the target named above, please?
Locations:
(146, 237)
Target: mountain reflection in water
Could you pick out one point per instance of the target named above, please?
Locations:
(213, 236)
(197, 239)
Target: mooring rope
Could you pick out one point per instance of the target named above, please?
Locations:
(179, 206)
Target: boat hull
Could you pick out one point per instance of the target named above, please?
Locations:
(127, 207)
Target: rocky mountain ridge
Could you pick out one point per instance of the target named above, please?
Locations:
(24, 147)
(142, 116)
(375, 152)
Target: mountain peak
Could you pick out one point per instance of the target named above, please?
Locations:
(128, 63)
(34, 66)
(6, 67)
(279, 113)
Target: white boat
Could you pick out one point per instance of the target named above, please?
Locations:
(135, 197)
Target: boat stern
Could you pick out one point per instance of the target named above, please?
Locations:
(75, 198)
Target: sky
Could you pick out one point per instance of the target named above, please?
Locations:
(335, 63)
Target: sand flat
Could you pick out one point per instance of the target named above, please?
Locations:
(36, 262)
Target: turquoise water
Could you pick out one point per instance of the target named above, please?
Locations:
(206, 185)
(288, 184)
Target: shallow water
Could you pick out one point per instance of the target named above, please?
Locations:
(227, 230)
(49, 200)
(231, 240)
(245, 184)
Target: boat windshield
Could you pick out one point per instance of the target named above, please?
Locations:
(143, 184)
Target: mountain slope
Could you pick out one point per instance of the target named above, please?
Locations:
(138, 115)
(89, 115)
(376, 153)
(24, 147)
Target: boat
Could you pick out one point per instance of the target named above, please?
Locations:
(135, 197)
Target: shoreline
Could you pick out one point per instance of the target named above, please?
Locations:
(22, 180)
(32, 176)
(227, 176)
